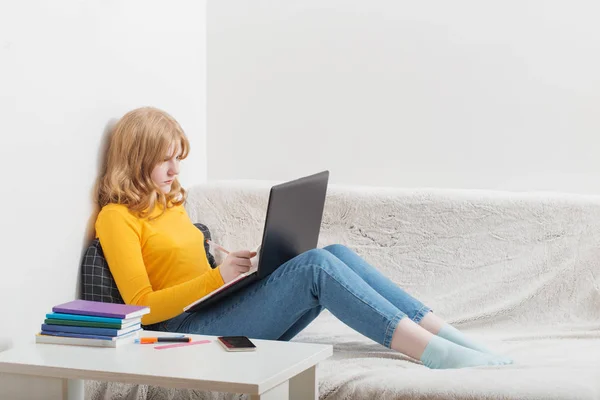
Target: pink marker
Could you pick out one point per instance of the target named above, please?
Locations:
(170, 346)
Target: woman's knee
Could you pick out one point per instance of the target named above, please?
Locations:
(321, 259)
(336, 249)
(317, 256)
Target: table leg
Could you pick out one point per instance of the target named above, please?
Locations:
(304, 386)
(280, 392)
(75, 389)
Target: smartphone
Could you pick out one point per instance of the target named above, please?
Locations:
(236, 343)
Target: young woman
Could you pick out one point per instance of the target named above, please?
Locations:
(157, 258)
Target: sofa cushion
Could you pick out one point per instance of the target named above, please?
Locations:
(207, 236)
(97, 282)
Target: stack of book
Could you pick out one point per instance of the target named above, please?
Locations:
(92, 323)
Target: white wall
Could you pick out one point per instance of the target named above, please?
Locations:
(460, 94)
(67, 69)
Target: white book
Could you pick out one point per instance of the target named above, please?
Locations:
(78, 341)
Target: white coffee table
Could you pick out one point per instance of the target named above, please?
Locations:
(276, 370)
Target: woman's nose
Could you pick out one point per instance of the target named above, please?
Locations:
(174, 169)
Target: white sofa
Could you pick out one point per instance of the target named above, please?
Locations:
(520, 272)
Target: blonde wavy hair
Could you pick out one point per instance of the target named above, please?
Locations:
(139, 142)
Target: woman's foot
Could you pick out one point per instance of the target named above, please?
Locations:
(441, 354)
(436, 352)
(437, 326)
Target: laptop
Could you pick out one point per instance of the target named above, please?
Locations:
(292, 226)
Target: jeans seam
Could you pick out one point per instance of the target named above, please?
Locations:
(391, 329)
(356, 296)
(420, 314)
(393, 322)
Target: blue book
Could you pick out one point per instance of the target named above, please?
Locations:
(78, 335)
(86, 330)
(77, 317)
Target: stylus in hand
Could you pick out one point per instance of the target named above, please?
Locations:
(217, 246)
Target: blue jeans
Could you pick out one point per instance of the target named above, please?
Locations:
(279, 306)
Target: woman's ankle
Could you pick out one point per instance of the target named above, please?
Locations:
(409, 338)
(432, 323)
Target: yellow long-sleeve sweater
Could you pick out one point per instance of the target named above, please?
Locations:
(158, 263)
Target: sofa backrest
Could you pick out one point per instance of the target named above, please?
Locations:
(515, 254)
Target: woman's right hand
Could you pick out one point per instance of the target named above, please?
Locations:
(235, 264)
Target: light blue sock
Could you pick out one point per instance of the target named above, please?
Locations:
(441, 354)
(452, 334)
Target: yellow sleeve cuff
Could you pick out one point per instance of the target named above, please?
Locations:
(217, 278)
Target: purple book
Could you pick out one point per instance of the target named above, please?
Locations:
(99, 309)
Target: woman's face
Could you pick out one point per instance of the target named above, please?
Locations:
(167, 170)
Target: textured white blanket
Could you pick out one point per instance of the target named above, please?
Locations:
(520, 272)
